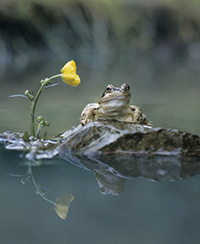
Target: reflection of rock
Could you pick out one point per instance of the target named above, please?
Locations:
(109, 183)
(112, 169)
(152, 167)
(126, 138)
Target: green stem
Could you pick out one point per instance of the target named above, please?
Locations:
(33, 107)
(38, 131)
(34, 102)
(54, 76)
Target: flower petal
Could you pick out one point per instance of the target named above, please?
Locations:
(69, 75)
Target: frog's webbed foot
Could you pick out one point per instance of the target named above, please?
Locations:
(88, 113)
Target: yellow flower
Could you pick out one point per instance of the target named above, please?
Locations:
(69, 75)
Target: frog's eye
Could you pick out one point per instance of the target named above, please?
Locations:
(125, 87)
(109, 88)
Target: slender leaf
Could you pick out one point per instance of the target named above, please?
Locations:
(19, 95)
(52, 85)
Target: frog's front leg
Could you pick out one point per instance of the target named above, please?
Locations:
(88, 113)
(136, 114)
(139, 117)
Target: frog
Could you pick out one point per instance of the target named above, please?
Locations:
(114, 105)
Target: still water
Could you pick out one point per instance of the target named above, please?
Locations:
(151, 209)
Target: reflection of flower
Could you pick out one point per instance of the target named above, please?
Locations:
(62, 205)
(69, 75)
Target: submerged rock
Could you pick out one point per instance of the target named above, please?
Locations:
(117, 137)
(34, 148)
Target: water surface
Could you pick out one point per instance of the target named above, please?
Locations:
(148, 211)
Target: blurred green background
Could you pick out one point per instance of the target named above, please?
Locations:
(154, 46)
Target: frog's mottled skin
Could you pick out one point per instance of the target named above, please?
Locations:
(114, 105)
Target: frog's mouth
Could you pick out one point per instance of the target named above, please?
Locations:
(116, 97)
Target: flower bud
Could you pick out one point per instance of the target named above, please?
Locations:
(46, 123)
(42, 82)
(39, 118)
(27, 92)
(42, 123)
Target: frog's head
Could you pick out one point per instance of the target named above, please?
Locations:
(116, 96)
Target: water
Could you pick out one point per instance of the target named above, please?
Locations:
(148, 211)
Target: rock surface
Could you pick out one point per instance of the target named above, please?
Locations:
(116, 137)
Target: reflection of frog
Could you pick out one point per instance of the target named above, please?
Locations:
(114, 105)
